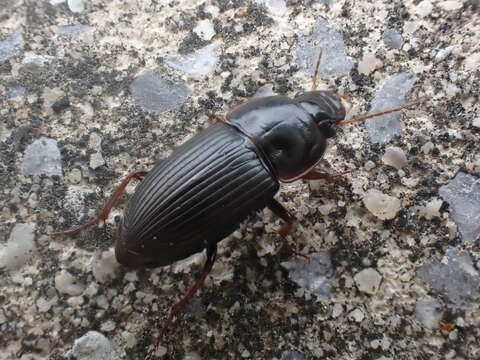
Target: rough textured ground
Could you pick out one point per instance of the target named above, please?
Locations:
(397, 279)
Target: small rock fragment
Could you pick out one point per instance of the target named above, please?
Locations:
(155, 94)
(96, 160)
(394, 156)
(201, 61)
(11, 46)
(204, 30)
(451, 5)
(443, 53)
(424, 8)
(429, 312)
(19, 248)
(463, 196)
(66, 283)
(274, 7)
(383, 206)
(315, 275)
(42, 157)
(392, 94)
(334, 62)
(368, 280)
(428, 147)
(105, 267)
(393, 38)
(369, 63)
(476, 122)
(431, 209)
(76, 6)
(93, 346)
(357, 315)
(455, 277)
(69, 31)
(36, 63)
(292, 355)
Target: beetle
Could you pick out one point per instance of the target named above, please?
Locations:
(198, 195)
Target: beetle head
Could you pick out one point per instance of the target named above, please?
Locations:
(325, 107)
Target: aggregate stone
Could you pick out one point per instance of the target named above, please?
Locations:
(42, 157)
(19, 248)
(11, 45)
(155, 94)
(93, 346)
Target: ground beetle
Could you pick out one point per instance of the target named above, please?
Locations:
(197, 196)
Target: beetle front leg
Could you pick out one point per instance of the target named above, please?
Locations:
(103, 215)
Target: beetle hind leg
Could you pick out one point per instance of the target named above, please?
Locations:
(211, 257)
(103, 215)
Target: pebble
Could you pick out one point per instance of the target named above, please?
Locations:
(274, 7)
(455, 277)
(334, 62)
(431, 209)
(36, 63)
(428, 311)
(105, 267)
(204, 29)
(42, 157)
(155, 94)
(428, 147)
(292, 355)
(369, 63)
(76, 6)
(93, 346)
(383, 206)
(368, 280)
(11, 46)
(395, 156)
(451, 5)
(315, 275)
(96, 160)
(357, 315)
(442, 54)
(476, 122)
(369, 165)
(424, 8)
(19, 248)
(463, 196)
(392, 94)
(393, 38)
(200, 62)
(68, 284)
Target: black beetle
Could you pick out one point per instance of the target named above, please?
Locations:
(197, 196)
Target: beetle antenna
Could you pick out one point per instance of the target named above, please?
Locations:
(369, 116)
(315, 74)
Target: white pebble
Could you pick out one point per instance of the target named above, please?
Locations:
(368, 280)
(369, 63)
(19, 248)
(204, 30)
(76, 6)
(394, 156)
(66, 283)
(381, 205)
(476, 122)
(105, 267)
(369, 165)
(357, 315)
(424, 8)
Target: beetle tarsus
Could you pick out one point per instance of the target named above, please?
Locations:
(211, 257)
(103, 215)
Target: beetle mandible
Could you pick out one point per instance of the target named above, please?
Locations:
(197, 196)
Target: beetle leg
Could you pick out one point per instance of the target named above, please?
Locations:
(286, 228)
(211, 256)
(103, 215)
(316, 175)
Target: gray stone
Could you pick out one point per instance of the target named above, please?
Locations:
(155, 94)
(393, 38)
(15, 90)
(463, 196)
(19, 248)
(11, 45)
(93, 346)
(392, 94)
(368, 280)
(325, 37)
(72, 30)
(454, 277)
(42, 157)
(429, 312)
(201, 62)
(315, 275)
(292, 355)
